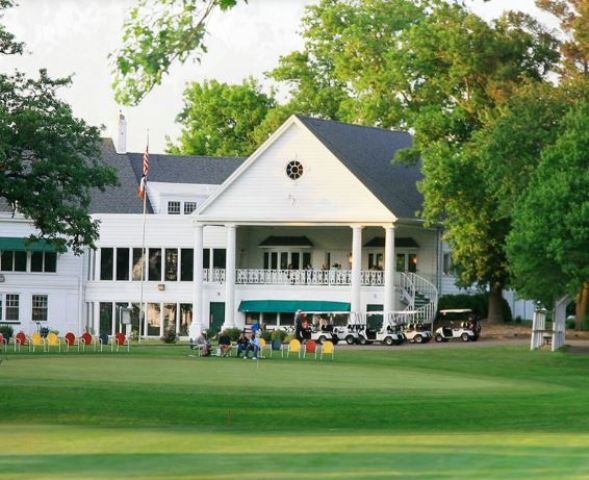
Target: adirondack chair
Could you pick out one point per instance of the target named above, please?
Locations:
(327, 348)
(120, 340)
(294, 346)
(20, 340)
(310, 348)
(86, 340)
(36, 340)
(70, 341)
(52, 340)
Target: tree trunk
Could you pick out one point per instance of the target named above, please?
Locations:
(582, 307)
(495, 315)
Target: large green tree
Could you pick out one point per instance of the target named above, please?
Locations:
(49, 160)
(156, 34)
(439, 69)
(548, 246)
(220, 119)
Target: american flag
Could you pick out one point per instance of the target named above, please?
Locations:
(143, 183)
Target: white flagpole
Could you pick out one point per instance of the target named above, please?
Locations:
(142, 305)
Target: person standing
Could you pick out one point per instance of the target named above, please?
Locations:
(299, 326)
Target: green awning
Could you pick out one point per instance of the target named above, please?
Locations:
(18, 243)
(291, 306)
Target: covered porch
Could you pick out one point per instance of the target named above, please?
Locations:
(315, 255)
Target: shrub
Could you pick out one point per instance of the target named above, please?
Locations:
(6, 331)
(570, 324)
(44, 331)
(477, 303)
(170, 336)
(279, 335)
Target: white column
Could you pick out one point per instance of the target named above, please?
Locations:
(197, 280)
(230, 277)
(96, 318)
(389, 269)
(356, 268)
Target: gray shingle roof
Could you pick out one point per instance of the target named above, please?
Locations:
(162, 168)
(122, 198)
(367, 152)
(186, 169)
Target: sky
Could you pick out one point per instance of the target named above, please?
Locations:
(74, 37)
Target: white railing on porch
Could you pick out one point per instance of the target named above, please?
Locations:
(296, 277)
(258, 276)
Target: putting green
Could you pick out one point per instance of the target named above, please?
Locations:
(428, 413)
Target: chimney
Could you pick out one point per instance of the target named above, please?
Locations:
(122, 135)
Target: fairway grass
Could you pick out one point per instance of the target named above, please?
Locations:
(499, 412)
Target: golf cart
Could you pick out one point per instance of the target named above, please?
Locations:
(322, 334)
(350, 333)
(416, 332)
(462, 325)
(388, 334)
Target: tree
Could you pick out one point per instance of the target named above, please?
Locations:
(548, 245)
(344, 72)
(439, 69)
(220, 119)
(574, 18)
(49, 160)
(156, 34)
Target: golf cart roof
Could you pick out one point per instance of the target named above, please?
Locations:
(456, 310)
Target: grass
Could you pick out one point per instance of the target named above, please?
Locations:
(442, 413)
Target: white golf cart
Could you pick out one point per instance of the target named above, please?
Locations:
(328, 326)
(458, 324)
(416, 332)
(385, 333)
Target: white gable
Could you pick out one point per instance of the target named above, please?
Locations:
(327, 192)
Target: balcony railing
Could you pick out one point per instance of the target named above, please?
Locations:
(294, 277)
(259, 276)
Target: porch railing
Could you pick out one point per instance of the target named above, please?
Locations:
(252, 276)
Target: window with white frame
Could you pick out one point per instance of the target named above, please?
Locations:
(448, 266)
(173, 208)
(40, 307)
(12, 308)
(189, 207)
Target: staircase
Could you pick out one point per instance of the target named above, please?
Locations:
(420, 298)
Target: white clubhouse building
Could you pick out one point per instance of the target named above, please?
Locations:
(317, 218)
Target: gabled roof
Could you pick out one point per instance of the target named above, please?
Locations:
(367, 152)
(162, 168)
(185, 168)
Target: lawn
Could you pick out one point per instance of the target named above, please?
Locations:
(438, 413)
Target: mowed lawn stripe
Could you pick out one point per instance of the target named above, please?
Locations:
(428, 413)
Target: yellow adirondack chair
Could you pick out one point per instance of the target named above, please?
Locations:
(327, 348)
(53, 341)
(294, 346)
(36, 340)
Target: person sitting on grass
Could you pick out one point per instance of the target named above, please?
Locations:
(242, 345)
(225, 344)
